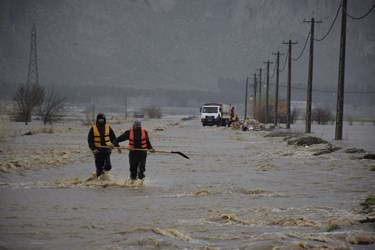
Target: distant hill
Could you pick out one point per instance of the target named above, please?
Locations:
(177, 44)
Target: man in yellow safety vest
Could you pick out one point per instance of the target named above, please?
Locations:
(99, 139)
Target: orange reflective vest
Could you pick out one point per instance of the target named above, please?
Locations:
(97, 138)
(143, 139)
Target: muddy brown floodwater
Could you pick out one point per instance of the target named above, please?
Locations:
(238, 190)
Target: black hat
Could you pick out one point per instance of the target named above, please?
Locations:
(100, 116)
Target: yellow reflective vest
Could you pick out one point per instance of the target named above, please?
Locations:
(97, 138)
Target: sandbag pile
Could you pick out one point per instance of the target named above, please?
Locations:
(248, 124)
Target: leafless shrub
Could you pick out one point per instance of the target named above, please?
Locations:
(260, 113)
(294, 114)
(138, 114)
(322, 116)
(52, 107)
(152, 112)
(27, 99)
(89, 115)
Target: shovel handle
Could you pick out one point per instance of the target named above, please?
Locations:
(144, 149)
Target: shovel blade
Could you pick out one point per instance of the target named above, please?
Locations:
(180, 153)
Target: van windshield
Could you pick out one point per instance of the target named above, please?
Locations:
(209, 110)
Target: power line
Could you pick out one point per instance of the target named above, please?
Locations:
(360, 92)
(334, 21)
(304, 47)
(328, 91)
(330, 28)
(286, 58)
(273, 73)
(321, 39)
(358, 18)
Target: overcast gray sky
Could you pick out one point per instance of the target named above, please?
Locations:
(178, 43)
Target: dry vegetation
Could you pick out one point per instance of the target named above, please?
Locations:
(322, 115)
(4, 127)
(151, 112)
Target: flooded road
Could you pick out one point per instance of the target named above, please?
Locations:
(238, 190)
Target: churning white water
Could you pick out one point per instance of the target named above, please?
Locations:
(238, 190)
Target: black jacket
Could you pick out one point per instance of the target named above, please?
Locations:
(137, 140)
(101, 128)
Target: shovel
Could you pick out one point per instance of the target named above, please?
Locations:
(156, 151)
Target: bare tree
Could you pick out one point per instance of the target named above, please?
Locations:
(152, 112)
(89, 115)
(322, 115)
(27, 99)
(52, 107)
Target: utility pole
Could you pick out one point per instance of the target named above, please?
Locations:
(255, 95)
(341, 79)
(267, 90)
(126, 107)
(260, 91)
(289, 89)
(310, 77)
(246, 86)
(277, 87)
